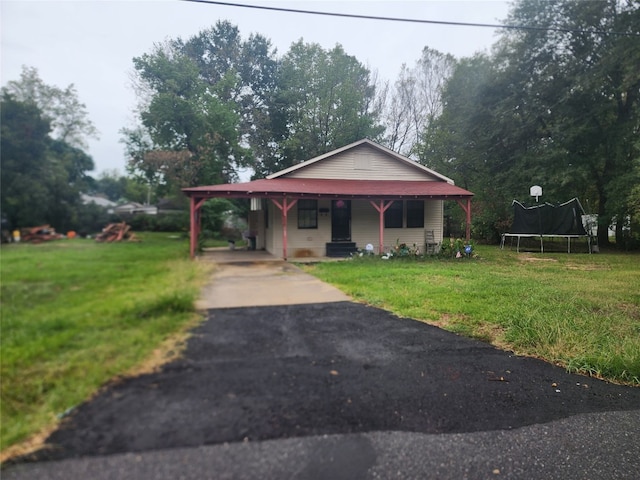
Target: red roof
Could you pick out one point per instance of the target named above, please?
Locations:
(311, 187)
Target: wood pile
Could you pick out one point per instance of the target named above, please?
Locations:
(116, 232)
(42, 233)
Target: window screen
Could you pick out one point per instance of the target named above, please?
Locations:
(393, 215)
(307, 214)
(415, 214)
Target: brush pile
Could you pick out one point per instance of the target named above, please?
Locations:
(116, 232)
(42, 233)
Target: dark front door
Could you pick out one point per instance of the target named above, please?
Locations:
(341, 220)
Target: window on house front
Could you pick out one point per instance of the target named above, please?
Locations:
(415, 214)
(393, 215)
(307, 214)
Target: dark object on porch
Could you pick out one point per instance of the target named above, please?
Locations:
(341, 249)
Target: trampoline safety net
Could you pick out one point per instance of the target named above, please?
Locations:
(548, 219)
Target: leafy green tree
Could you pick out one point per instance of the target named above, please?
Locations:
(67, 114)
(41, 177)
(111, 184)
(324, 100)
(25, 141)
(204, 100)
(220, 51)
(582, 92)
(555, 105)
(215, 103)
(193, 130)
(470, 143)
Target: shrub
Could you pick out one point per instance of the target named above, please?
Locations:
(457, 248)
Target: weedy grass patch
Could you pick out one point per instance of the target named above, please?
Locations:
(576, 310)
(76, 313)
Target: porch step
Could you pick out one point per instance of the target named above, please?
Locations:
(341, 249)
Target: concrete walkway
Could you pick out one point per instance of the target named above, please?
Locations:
(256, 278)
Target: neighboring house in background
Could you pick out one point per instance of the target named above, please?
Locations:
(107, 204)
(134, 208)
(171, 205)
(357, 195)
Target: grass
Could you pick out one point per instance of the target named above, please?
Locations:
(576, 310)
(76, 314)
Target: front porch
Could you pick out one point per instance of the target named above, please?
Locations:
(242, 256)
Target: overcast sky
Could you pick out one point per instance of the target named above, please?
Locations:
(91, 43)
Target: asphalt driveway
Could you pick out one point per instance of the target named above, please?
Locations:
(334, 389)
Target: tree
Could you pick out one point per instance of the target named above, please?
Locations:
(555, 105)
(25, 140)
(111, 184)
(323, 100)
(584, 91)
(41, 177)
(415, 100)
(203, 101)
(470, 143)
(193, 130)
(68, 116)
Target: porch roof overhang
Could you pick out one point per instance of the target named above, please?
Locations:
(332, 188)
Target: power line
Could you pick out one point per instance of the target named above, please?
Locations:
(412, 20)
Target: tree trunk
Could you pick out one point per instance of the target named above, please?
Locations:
(603, 223)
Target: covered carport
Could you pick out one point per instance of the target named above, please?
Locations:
(285, 192)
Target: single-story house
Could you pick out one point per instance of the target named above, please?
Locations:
(361, 194)
(103, 202)
(135, 208)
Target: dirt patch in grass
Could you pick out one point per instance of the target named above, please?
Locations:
(587, 267)
(537, 259)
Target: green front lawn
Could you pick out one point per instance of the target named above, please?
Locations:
(577, 310)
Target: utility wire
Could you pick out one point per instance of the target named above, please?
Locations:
(412, 20)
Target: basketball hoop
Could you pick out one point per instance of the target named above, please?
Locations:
(535, 191)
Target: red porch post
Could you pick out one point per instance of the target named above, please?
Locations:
(194, 223)
(467, 210)
(192, 227)
(284, 208)
(381, 209)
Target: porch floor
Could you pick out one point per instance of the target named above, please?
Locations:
(241, 255)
